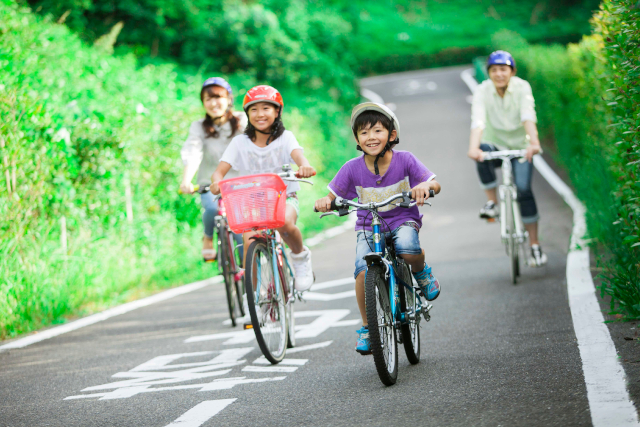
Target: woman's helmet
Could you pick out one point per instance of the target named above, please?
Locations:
(383, 109)
(218, 81)
(501, 57)
(262, 93)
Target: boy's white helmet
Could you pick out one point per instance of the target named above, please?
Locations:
(374, 106)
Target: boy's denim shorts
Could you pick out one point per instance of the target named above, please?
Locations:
(405, 239)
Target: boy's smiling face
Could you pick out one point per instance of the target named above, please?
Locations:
(373, 139)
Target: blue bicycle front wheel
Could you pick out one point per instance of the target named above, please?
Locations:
(382, 332)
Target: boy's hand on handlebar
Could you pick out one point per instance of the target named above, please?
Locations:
(305, 172)
(187, 188)
(323, 204)
(420, 193)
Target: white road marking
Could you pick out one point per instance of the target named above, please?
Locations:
(603, 375)
(317, 296)
(333, 284)
(219, 384)
(201, 413)
(116, 311)
(309, 347)
(263, 361)
(269, 368)
(371, 95)
(325, 319)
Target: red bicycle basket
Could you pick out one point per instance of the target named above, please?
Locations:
(254, 202)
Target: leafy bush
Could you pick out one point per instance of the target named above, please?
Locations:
(316, 43)
(588, 110)
(89, 167)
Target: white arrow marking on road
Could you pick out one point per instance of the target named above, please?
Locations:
(201, 413)
(219, 384)
(326, 319)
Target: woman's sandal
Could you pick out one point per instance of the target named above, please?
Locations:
(209, 255)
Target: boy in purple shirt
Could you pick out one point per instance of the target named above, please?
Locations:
(380, 173)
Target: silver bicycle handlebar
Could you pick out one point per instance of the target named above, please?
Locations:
(289, 175)
(504, 154)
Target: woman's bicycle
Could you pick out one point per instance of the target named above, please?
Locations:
(393, 301)
(258, 203)
(512, 229)
(229, 260)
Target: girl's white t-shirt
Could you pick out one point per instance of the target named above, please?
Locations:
(249, 159)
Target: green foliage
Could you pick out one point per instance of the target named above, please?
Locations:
(316, 43)
(89, 171)
(618, 24)
(589, 111)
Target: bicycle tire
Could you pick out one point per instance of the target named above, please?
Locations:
(411, 329)
(268, 313)
(511, 242)
(239, 284)
(384, 344)
(227, 274)
(291, 320)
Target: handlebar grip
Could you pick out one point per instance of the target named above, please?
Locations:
(432, 193)
(333, 205)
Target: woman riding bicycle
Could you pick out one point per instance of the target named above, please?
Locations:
(201, 152)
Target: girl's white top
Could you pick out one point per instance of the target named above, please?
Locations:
(205, 152)
(249, 159)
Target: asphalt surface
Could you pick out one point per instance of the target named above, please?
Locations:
(493, 354)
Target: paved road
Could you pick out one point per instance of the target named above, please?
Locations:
(493, 355)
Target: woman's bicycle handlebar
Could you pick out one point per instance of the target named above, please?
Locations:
(504, 154)
(342, 205)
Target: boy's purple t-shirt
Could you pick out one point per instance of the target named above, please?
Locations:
(355, 180)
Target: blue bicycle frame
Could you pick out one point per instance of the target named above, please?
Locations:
(394, 296)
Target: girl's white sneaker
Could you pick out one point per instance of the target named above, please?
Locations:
(303, 269)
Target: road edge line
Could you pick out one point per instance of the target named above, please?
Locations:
(604, 376)
(107, 314)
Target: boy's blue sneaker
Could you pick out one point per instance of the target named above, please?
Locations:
(363, 345)
(428, 283)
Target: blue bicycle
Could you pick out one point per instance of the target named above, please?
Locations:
(394, 302)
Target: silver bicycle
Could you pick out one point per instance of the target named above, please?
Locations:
(512, 229)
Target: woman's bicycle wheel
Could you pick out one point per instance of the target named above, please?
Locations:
(409, 306)
(237, 263)
(225, 262)
(512, 243)
(265, 299)
(384, 345)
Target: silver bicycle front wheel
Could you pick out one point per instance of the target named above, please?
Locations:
(265, 299)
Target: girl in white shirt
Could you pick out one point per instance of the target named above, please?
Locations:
(264, 148)
(208, 138)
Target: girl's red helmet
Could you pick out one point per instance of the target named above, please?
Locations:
(262, 93)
